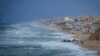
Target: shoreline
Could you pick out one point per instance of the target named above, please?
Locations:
(89, 44)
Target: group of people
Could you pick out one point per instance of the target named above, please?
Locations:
(69, 40)
(74, 40)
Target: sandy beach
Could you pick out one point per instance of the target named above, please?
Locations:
(83, 39)
(90, 44)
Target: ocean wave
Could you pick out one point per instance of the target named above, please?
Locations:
(22, 35)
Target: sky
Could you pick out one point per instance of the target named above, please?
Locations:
(15, 11)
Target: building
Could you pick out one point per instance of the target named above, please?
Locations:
(97, 24)
(86, 18)
(68, 19)
(86, 28)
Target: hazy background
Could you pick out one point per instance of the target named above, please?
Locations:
(15, 11)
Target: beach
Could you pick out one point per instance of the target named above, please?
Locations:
(90, 44)
(32, 40)
(82, 37)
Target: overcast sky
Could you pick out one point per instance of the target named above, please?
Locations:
(28, 10)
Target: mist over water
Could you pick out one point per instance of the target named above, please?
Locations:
(31, 40)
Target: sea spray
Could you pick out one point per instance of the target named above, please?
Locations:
(29, 40)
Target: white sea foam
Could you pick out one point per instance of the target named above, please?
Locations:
(19, 31)
(58, 45)
(24, 31)
(76, 49)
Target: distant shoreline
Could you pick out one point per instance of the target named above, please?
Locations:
(82, 37)
(91, 45)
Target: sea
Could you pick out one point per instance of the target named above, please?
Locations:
(29, 39)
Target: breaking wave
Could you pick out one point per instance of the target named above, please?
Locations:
(31, 40)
